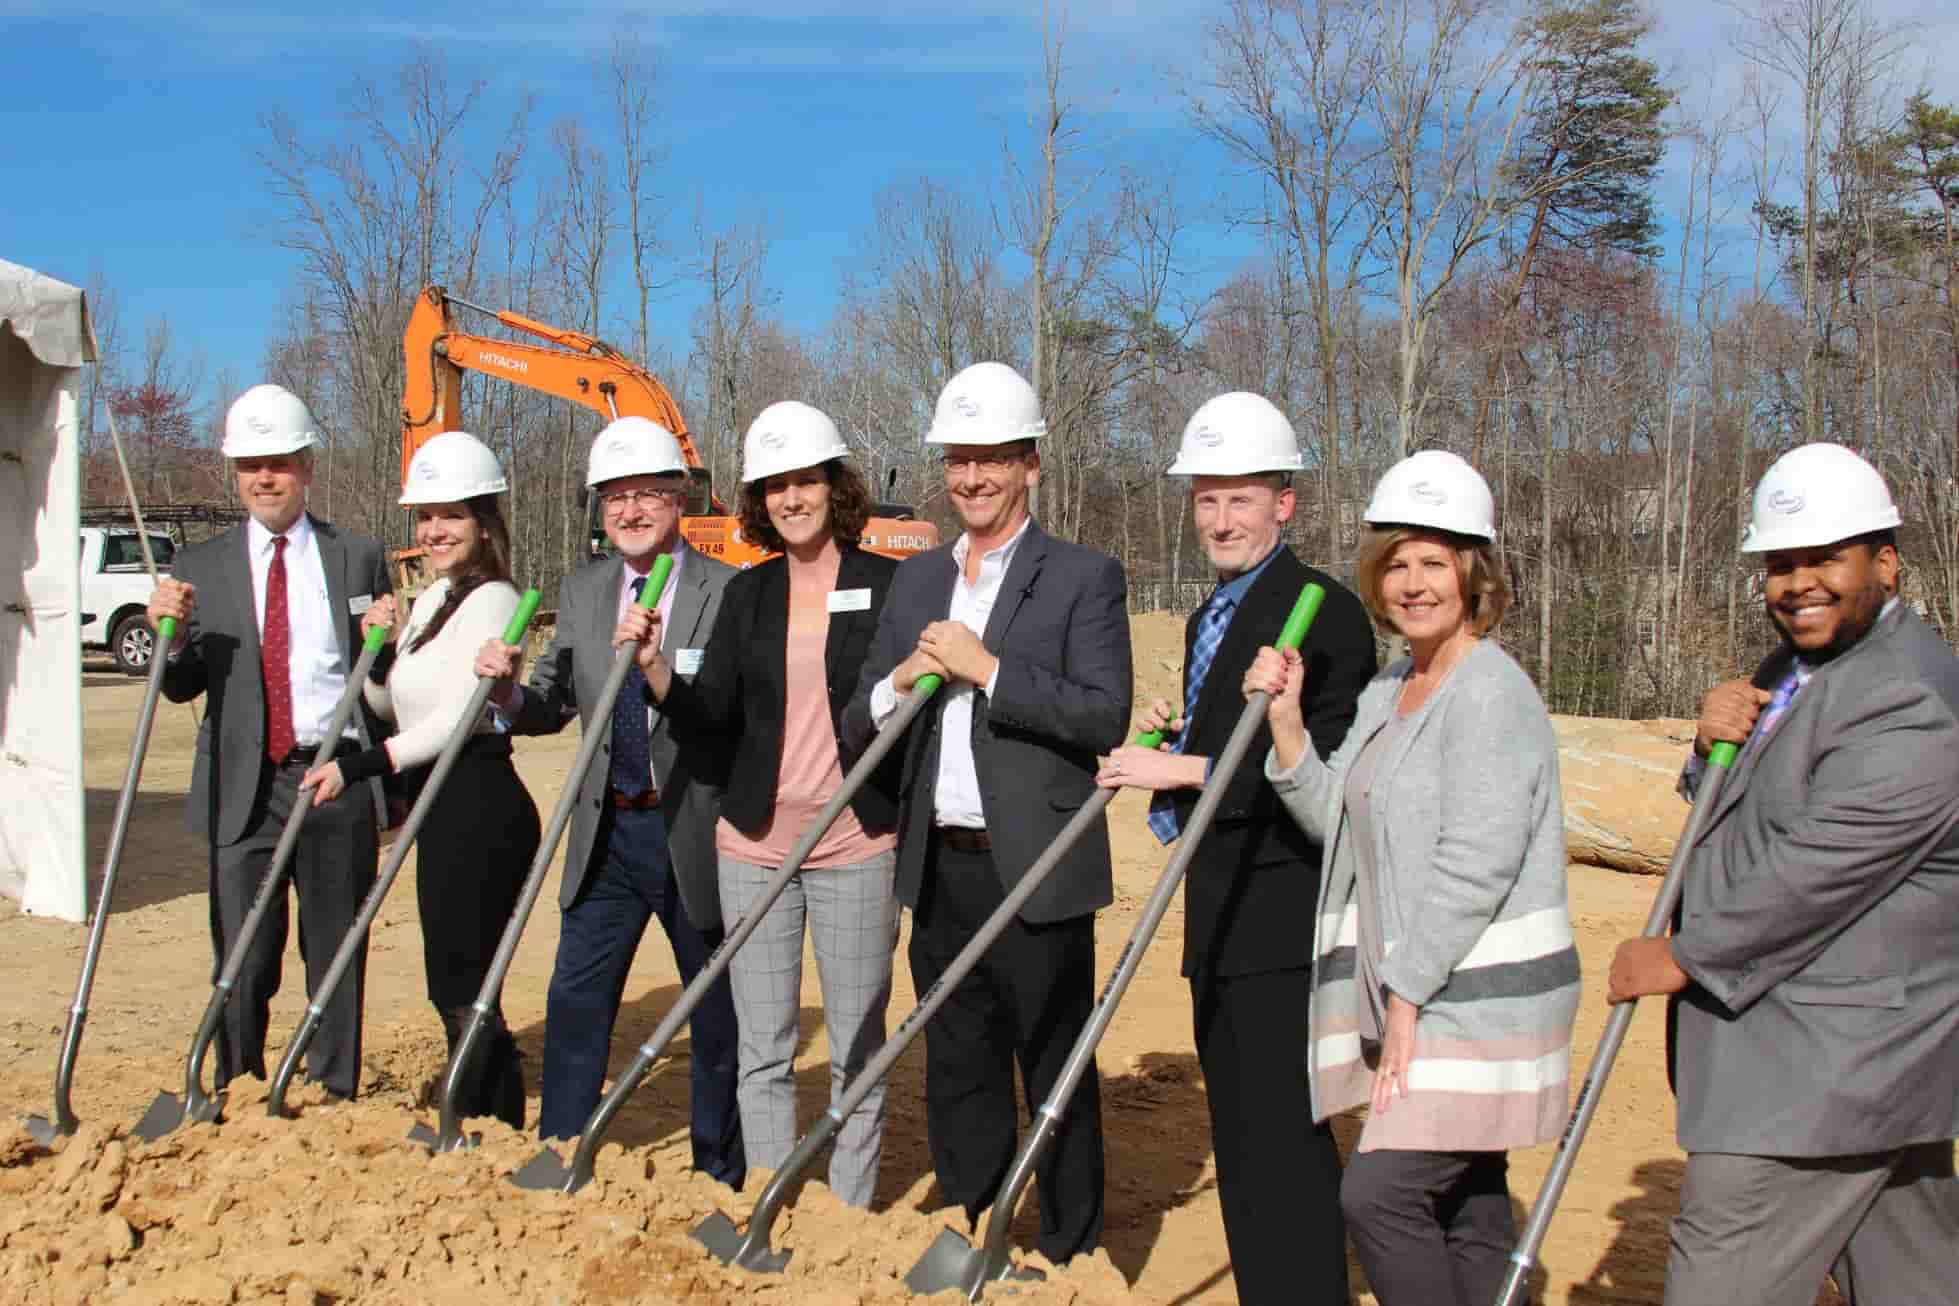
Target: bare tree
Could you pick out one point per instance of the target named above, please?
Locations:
(633, 76)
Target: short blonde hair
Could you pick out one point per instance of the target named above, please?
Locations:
(1485, 592)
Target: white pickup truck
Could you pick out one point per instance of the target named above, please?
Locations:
(116, 589)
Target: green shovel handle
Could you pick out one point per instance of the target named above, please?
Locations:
(166, 630)
(521, 619)
(1723, 754)
(656, 583)
(1304, 609)
(376, 637)
(927, 684)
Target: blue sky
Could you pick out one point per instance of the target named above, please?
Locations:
(131, 126)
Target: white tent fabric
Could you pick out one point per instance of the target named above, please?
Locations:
(43, 344)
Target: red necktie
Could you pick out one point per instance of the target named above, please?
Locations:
(275, 656)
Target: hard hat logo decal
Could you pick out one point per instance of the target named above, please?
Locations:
(260, 425)
(773, 439)
(966, 407)
(1208, 436)
(1786, 503)
(422, 470)
(1424, 492)
(620, 446)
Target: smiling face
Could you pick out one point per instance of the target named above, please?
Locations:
(1422, 591)
(273, 488)
(798, 505)
(451, 534)
(1825, 599)
(642, 514)
(1239, 518)
(989, 485)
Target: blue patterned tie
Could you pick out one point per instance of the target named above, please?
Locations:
(1778, 703)
(632, 758)
(1210, 634)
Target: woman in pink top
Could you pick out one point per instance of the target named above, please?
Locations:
(774, 679)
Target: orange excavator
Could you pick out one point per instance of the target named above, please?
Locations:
(591, 373)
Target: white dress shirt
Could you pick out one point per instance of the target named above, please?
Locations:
(956, 796)
(318, 675)
(626, 578)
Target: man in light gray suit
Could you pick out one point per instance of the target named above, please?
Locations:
(1816, 953)
(268, 618)
(642, 836)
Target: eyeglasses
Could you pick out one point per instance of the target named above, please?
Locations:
(616, 501)
(992, 462)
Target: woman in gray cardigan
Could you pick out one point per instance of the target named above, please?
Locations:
(1445, 978)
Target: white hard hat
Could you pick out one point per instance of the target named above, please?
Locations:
(452, 467)
(633, 446)
(1437, 490)
(1236, 434)
(988, 403)
(788, 435)
(266, 421)
(1817, 494)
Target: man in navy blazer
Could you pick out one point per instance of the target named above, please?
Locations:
(1815, 958)
(1031, 635)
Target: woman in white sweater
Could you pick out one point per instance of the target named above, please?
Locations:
(480, 835)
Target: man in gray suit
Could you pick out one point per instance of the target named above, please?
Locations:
(268, 617)
(1816, 953)
(642, 837)
(1031, 636)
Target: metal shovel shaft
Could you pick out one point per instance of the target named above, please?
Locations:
(887, 738)
(356, 936)
(270, 889)
(992, 1261)
(65, 1122)
(450, 1132)
(1524, 1259)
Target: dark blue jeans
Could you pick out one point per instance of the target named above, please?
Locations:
(631, 882)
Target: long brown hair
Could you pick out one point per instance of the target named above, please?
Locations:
(850, 507)
(490, 561)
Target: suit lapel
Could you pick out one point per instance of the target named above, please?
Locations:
(238, 579)
(1022, 574)
(333, 562)
(689, 602)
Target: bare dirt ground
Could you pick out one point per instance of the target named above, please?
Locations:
(337, 1207)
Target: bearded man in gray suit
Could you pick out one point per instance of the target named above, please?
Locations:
(642, 835)
(1815, 959)
(268, 621)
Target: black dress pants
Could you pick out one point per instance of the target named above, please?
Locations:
(332, 869)
(475, 847)
(1026, 1003)
(1278, 1172)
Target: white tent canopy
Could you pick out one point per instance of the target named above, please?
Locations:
(44, 340)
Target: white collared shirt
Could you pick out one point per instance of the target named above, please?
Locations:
(956, 796)
(319, 676)
(626, 578)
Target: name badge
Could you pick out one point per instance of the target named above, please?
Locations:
(359, 603)
(687, 661)
(850, 600)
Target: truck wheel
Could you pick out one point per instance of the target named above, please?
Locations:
(133, 643)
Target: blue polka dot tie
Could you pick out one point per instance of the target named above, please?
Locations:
(1163, 820)
(632, 757)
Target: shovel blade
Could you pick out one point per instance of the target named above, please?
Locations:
(426, 1136)
(730, 1246)
(543, 1173)
(164, 1115)
(423, 1135)
(41, 1130)
(947, 1264)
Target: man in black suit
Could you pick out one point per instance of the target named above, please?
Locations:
(1031, 635)
(268, 618)
(1253, 886)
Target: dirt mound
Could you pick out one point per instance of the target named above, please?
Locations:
(338, 1206)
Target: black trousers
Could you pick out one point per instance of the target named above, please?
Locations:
(332, 869)
(1026, 1002)
(476, 845)
(1431, 1228)
(1278, 1172)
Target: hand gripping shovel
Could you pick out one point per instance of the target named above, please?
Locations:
(547, 1170)
(462, 1063)
(169, 1111)
(1524, 1259)
(752, 1250)
(42, 1130)
(275, 1102)
(952, 1262)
